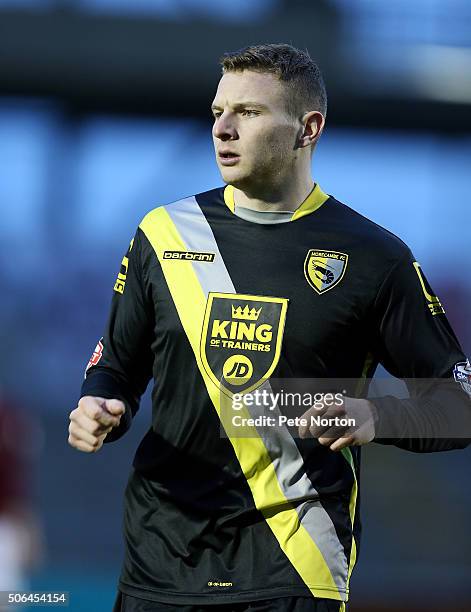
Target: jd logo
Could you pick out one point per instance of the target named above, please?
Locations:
(324, 269)
(241, 339)
(238, 369)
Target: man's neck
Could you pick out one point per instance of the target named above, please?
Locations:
(276, 201)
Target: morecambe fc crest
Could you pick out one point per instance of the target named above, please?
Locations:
(324, 269)
(241, 339)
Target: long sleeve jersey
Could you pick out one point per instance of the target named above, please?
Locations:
(206, 303)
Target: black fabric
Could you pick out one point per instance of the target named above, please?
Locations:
(127, 603)
(190, 516)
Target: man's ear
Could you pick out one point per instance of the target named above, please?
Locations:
(313, 123)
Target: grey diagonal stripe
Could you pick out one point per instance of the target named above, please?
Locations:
(282, 449)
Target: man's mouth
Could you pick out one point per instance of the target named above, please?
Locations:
(228, 158)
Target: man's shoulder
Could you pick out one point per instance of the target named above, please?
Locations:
(191, 202)
(371, 235)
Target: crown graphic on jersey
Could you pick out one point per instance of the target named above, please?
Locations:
(246, 313)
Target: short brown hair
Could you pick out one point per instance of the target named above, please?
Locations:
(292, 66)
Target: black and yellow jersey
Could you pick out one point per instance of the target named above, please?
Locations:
(203, 294)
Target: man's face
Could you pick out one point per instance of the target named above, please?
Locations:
(254, 137)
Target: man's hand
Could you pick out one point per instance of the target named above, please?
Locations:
(92, 421)
(361, 411)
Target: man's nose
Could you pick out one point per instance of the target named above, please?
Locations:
(224, 128)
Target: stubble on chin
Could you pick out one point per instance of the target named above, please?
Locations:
(232, 176)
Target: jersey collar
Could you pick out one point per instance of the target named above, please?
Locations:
(313, 201)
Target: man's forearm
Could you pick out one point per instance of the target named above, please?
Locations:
(439, 420)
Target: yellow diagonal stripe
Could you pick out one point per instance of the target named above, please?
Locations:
(190, 302)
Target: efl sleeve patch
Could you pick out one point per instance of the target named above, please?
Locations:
(462, 375)
(96, 356)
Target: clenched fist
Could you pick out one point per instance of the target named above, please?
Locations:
(92, 421)
(361, 412)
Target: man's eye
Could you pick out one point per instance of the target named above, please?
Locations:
(216, 114)
(249, 112)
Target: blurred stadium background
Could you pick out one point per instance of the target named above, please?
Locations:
(104, 114)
